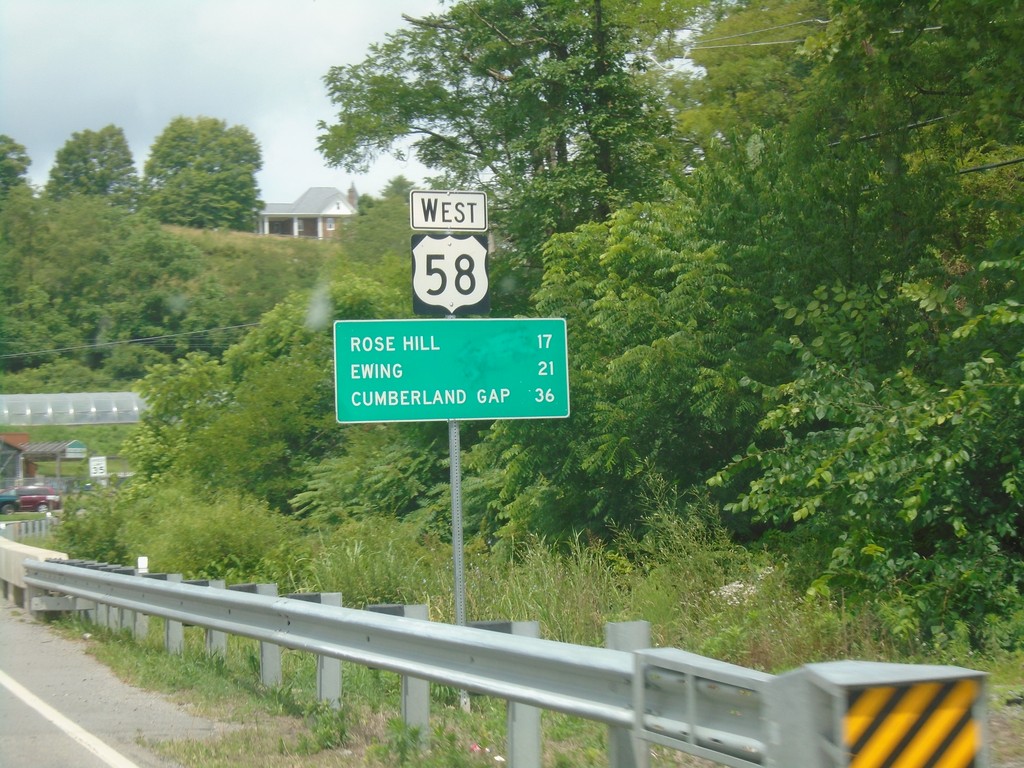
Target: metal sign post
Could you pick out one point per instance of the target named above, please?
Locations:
(453, 368)
(449, 276)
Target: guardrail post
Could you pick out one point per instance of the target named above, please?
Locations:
(270, 654)
(107, 616)
(28, 594)
(522, 720)
(174, 632)
(524, 729)
(624, 750)
(415, 703)
(216, 642)
(124, 618)
(328, 668)
(102, 615)
(415, 690)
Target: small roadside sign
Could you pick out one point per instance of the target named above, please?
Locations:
(97, 466)
(448, 210)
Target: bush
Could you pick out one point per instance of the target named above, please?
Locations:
(182, 530)
(93, 528)
(379, 560)
(179, 530)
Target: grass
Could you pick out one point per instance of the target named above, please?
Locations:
(19, 516)
(698, 592)
(285, 726)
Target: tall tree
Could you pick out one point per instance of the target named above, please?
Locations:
(746, 69)
(95, 163)
(201, 173)
(14, 163)
(544, 103)
(893, 207)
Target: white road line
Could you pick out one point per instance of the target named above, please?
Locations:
(108, 755)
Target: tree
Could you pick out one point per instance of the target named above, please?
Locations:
(14, 163)
(952, 61)
(201, 173)
(748, 71)
(655, 323)
(893, 214)
(262, 417)
(543, 103)
(95, 163)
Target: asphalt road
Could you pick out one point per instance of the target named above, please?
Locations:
(61, 708)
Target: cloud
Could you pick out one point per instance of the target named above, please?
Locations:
(70, 65)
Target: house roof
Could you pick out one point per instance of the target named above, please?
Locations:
(50, 451)
(315, 201)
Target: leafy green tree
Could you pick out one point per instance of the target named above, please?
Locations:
(14, 163)
(378, 239)
(892, 443)
(542, 103)
(915, 484)
(148, 285)
(95, 163)
(105, 275)
(745, 70)
(952, 61)
(201, 173)
(258, 420)
(655, 324)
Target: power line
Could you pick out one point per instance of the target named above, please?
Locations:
(103, 344)
(766, 29)
(991, 166)
(744, 45)
(910, 127)
(702, 47)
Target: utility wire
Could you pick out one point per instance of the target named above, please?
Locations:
(744, 45)
(700, 46)
(766, 29)
(102, 344)
(991, 166)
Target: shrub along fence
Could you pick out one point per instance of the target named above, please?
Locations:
(819, 716)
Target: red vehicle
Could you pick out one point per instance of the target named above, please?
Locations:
(29, 498)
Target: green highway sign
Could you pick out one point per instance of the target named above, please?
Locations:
(450, 369)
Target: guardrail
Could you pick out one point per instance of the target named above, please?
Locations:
(13, 555)
(18, 530)
(820, 716)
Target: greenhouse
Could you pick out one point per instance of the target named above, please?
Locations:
(71, 408)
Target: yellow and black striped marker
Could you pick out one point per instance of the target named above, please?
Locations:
(924, 725)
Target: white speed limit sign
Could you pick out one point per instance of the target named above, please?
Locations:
(449, 275)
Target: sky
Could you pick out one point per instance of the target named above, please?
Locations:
(72, 65)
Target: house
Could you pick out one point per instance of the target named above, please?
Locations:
(315, 214)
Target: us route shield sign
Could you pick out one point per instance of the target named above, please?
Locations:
(449, 275)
